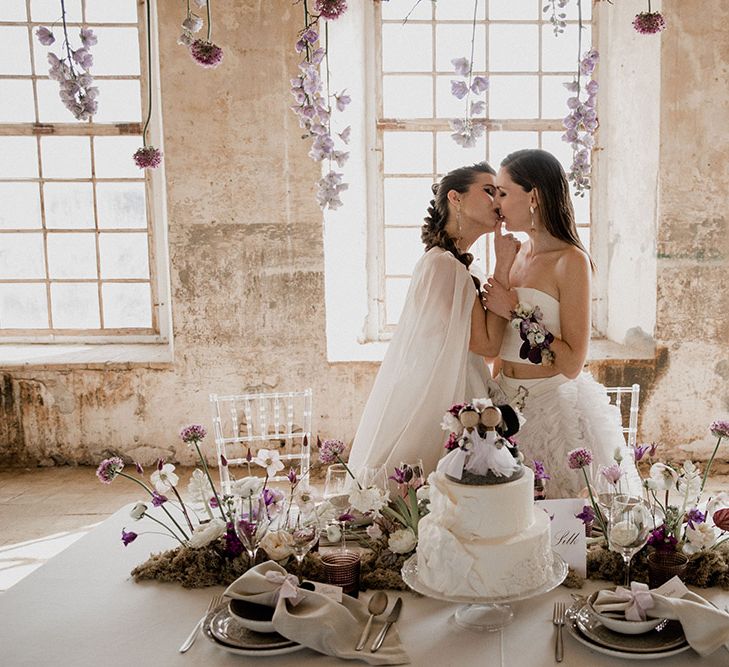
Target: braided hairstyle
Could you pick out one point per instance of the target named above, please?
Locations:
(433, 232)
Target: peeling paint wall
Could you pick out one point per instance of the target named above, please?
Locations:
(245, 239)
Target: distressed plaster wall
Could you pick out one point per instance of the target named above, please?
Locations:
(245, 241)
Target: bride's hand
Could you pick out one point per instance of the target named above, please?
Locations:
(499, 300)
(506, 247)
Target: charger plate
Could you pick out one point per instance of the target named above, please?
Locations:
(574, 628)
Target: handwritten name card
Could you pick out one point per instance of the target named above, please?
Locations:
(568, 532)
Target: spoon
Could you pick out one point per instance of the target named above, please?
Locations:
(376, 606)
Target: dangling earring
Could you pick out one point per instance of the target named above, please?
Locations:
(458, 223)
(531, 213)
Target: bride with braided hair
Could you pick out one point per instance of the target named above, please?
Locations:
(436, 356)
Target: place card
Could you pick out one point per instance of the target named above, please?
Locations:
(673, 588)
(330, 591)
(568, 532)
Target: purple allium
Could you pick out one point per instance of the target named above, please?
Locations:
(158, 499)
(587, 515)
(45, 36)
(138, 468)
(649, 23)
(579, 458)
(127, 537)
(330, 451)
(109, 468)
(720, 428)
(148, 157)
(612, 473)
(695, 516)
(539, 471)
(193, 433)
(330, 9)
(206, 54)
(660, 540)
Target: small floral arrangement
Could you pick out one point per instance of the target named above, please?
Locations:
(203, 51)
(649, 23)
(527, 320)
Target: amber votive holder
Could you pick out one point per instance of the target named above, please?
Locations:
(341, 569)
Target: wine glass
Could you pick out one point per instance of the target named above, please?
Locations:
(304, 532)
(251, 522)
(629, 527)
(336, 491)
(373, 476)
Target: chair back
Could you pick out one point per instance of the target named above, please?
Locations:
(277, 420)
(626, 400)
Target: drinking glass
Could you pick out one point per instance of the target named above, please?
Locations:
(251, 522)
(373, 476)
(337, 487)
(304, 532)
(629, 526)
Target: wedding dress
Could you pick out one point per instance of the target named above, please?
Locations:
(563, 414)
(427, 368)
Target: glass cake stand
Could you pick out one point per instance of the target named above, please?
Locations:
(487, 613)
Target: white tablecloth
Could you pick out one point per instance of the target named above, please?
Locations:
(82, 608)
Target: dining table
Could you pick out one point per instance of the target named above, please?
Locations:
(83, 607)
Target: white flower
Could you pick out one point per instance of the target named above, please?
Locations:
(246, 487)
(270, 460)
(700, 537)
(481, 403)
(205, 533)
(374, 531)
(370, 499)
(306, 499)
(650, 484)
(198, 488)
(423, 493)
(334, 532)
(164, 479)
(402, 541)
(277, 544)
(450, 423)
(689, 482)
(523, 309)
(664, 476)
(138, 511)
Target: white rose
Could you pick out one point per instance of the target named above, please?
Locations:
(138, 511)
(374, 531)
(402, 541)
(277, 544)
(450, 423)
(248, 486)
(699, 537)
(205, 533)
(370, 499)
(423, 493)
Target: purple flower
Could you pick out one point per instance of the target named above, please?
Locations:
(452, 442)
(579, 458)
(128, 537)
(695, 516)
(661, 540)
(345, 517)
(461, 66)
(206, 54)
(652, 450)
(158, 499)
(479, 84)
(539, 471)
(88, 38)
(649, 23)
(720, 428)
(459, 89)
(478, 107)
(160, 464)
(587, 515)
(344, 134)
(45, 36)
(612, 473)
(83, 58)
(147, 157)
(639, 451)
(249, 456)
(223, 460)
(330, 9)
(402, 475)
(138, 468)
(233, 546)
(213, 502)
(292, 476)
(193, 433)
(455, 410)
(342, 100)
(330, 451)
(109, 468)
(272, 496)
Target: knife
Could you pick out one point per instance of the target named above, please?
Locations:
(394, 614)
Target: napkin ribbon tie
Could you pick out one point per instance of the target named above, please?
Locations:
(288, 586)
(639, 598)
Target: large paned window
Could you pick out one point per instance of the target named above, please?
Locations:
(527, 65)
(78, 218)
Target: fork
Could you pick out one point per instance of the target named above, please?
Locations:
(214, 603)
(558, 620)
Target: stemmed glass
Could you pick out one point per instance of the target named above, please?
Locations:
(251, 522)
(304, 532)
(336, 491)
(629, 527)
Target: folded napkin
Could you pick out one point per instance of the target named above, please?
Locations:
(706, 627)
(314, 620)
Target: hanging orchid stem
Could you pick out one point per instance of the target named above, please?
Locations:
(149, 516)
(579, 43)
(65, 38)
(210, 20)
(184, 509)
(149, 70)
(718, 442)
(207, 472)
(151, 493)
(598, 513)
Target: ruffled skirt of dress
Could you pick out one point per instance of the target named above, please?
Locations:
(563, 414)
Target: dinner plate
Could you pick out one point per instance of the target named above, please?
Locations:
(574, 630)
(256, 617)
(223, 629)
(670, 636)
